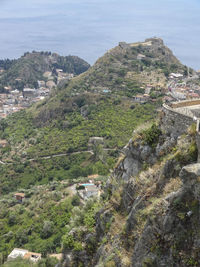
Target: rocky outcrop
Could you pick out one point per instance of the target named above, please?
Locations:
(162, 242)
(152, 215)
(162, 203)
(137, 155)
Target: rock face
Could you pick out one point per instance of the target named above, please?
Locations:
(134, 158)
(152, 215)
(140, 154)
(170, 222)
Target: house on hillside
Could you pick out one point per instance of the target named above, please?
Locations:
(29, 92)
(140, 57)
(193, 95)
(141, 98)
(32, 256)
(17, 252)
(19, 197)
(175, 75)
(8, 88)
(90, 191)
(41, 84)
(2, 70)
(24, 254)
(93, 141)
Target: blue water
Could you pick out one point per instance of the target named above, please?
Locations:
(87, 184)
(88, 28)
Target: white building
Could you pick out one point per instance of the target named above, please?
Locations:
(17, 252)
(24, 254)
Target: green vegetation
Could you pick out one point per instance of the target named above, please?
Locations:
(151, 135)
(30, 68)
(49, 147)
(123, 73)
(48, 262)
(40, 222)
(188, 155)
(67, 133)
(82, 222)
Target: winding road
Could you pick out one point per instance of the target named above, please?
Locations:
(62, 155)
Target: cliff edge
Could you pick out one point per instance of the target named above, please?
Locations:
(150, 208)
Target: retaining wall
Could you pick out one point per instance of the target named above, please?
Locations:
(174, 122)
(185, 103)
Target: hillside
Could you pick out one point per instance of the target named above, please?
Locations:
(27, 70)
(81, 129)
(67, 133)
(149, 207)
(149, 214)
(64, 123)
(124, 71)
(128, 68)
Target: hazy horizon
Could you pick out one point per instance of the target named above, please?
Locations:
(88, 28)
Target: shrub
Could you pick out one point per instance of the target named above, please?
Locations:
(78, 246)
(151, 135)
(76, 200)
(47, 229)
(110, 263)
(80, 187)
(68, 241)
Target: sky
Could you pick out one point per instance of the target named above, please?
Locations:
(88, 28)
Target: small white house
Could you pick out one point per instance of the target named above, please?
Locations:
(17, 252)
(24, 254)
(140, 57)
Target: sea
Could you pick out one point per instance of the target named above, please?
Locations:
(88, 28)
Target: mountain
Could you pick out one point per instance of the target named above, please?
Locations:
(82, 129)
(128, 68)
(27, 70)
(65, 122)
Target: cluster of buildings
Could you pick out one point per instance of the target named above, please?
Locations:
(180, 88)
(14, 100)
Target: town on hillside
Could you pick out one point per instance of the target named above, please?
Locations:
(14, 100)
(183, 88)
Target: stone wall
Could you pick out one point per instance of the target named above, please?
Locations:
(185, 103)
(174, 122)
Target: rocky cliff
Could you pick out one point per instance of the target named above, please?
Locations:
(150, 208)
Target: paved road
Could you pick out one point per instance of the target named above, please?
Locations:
(62, 155)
